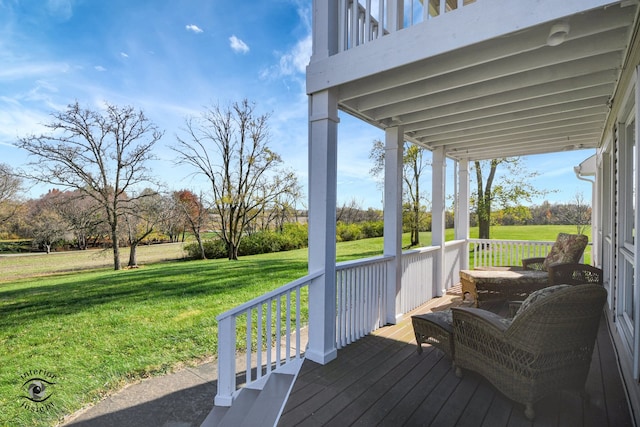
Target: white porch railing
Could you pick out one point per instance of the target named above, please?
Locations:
(361, 298)
(418, 274)
(493, 253)
(362, 21)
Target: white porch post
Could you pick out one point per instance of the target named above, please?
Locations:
(438, 217)
(394, 141)
(462, 207)
(323, 141)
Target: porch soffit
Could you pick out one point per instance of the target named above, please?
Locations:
(508, 96)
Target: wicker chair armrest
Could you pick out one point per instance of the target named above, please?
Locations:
(489, 320)
(533, 263)
(574, 273)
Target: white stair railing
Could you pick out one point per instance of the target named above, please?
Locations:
(272, 329)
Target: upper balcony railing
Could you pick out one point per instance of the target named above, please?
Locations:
(361, 21)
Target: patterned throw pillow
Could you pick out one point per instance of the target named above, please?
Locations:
(568, 248)
(537, 295)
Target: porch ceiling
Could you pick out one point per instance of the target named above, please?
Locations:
(509, 96)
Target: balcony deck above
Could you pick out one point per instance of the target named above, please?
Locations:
(483, 80)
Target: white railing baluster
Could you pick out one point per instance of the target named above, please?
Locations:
(268, 334)
(342, 25)
(298, 320)
(259, 342)
(287, 350)
(249, 350)
(354, 24)
(278, 341)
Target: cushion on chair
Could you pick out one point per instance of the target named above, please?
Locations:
(444, 316)
(568, 248)
(537, 295)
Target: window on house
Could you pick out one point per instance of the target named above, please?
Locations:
(629, 159)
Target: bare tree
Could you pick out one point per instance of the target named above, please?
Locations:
(172, 222)
(195, 213)
(141, 216)
(46, 226)
(101, 153)
(10, 187)
(578, 213)
(82, 214)
(230, 147)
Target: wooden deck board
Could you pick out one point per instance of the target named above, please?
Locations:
(381, 380)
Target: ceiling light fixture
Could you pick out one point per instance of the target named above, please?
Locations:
(558, 33)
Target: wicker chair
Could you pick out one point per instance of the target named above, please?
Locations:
(567, 249)
(574, 274)
(546, 347)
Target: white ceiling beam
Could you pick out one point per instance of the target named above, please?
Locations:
(527, 79)
(528, 62)
(520, 137)
(523, 98)
(533, 148)
(597, 94)
(541, 119)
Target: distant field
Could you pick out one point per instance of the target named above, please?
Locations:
(38, 264)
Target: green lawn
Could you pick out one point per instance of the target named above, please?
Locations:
(97, 330)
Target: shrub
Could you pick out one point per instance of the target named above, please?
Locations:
(293, 236)
(213, 249)
(372, 229)
(348, 232)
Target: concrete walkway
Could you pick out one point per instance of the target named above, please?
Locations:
(181, 399)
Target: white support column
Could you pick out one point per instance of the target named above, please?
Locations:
(323, 142)
(438, 217)
(462, 207)
(394, 141)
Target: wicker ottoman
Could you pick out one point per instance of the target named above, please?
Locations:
(436, 329)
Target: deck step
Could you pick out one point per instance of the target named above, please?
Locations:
(254, 407)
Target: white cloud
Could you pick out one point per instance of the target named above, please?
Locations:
(238, 45)
(293, 62)
(99, 68)
(194, 28)
(24, 70)
(124, 55)
(297, 59)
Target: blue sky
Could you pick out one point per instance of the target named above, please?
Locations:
(171, 58)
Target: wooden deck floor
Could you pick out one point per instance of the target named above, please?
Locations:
(382, 381)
